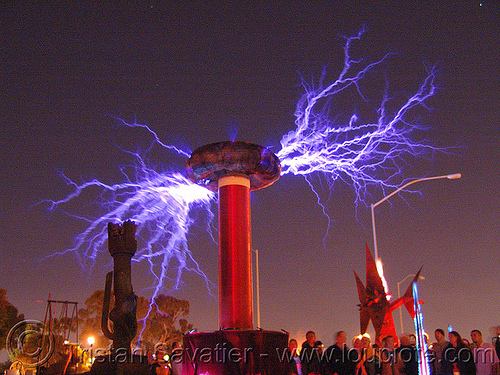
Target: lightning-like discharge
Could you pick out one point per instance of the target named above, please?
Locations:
(162, 204)
(362, 154)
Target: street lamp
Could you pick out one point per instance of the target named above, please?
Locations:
(448, 176)
(257, 286)
(399, 296)
(91, 341)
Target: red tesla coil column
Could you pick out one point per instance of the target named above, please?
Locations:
(235, 254)
(233, 169)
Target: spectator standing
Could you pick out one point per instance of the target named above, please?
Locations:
(307, 353)
(457, 357)
(294, 367)
(484, 354)
(407, 357)
(496, 339)
(413, 339)
(369, 363)
(437, 348)
(387, 357)
(356, 345)
(319, 362)
(338, 357)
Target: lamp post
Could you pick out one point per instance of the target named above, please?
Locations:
(257, 285)
(91, 341)
(399, 295)
(448, 176)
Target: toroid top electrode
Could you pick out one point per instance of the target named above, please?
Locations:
(209, 163)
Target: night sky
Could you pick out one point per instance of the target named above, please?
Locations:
(198, 73)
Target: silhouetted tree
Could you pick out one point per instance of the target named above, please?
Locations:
(166, 322)
(8, 317)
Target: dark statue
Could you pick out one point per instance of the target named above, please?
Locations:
(120, 324)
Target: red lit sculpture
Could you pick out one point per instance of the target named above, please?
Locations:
(375, 305)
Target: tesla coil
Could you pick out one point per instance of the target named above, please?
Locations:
(234, 169)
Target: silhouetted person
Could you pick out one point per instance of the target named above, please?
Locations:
(457, 357)
(407, 357)
(387, 357)
(307, 353)
(338, 357)
(437, 348)
(294, 365)
(484, 354)
(369, 362)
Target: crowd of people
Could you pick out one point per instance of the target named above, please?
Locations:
(395, 356)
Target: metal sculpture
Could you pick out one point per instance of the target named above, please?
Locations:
(122, 247)
(122, 317)
(375, 304)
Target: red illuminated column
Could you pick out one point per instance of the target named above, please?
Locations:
(235, 254)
